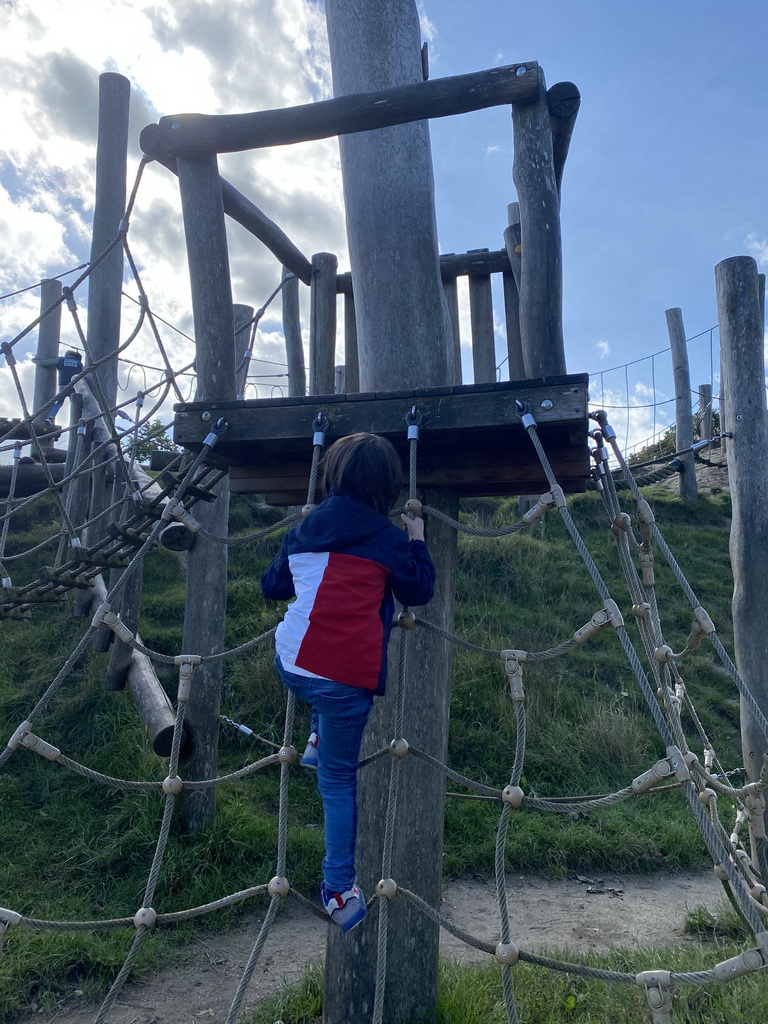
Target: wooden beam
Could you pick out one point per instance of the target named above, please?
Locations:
(360, 112)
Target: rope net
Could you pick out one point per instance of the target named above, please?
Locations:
(132, 525)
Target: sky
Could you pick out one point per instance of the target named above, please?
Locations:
(665, 175)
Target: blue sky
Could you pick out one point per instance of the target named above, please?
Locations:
(665, 177)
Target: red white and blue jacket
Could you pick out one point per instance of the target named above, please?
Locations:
(343, 564)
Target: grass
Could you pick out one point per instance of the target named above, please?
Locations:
(74, 850)
(473, 995)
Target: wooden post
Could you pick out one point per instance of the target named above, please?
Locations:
(206, 601)
(351, 360)
(322, 324)
(541, 283)
(563, 101)
(405, 340)
(742, 362)
(106, 282)
(294, 349)
(241, 315)
(481, 319)
(47, 348)
(705, 412)
(451, 291)
(689, 490)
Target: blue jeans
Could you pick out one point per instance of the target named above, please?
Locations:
(339, 717)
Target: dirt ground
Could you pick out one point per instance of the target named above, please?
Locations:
(580, 914)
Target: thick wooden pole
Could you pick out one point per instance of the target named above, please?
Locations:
(294, 349)
(206, 601)
(391, 225)
(541, 283)
(405, 340)
(322, 324)
(106, 282)
(743, 368)
(689, 490)
(47, 348)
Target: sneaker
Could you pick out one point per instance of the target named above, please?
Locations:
(345, 909)
(310, 756)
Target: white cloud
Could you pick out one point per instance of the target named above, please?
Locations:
(757, 247)
(180, 55)
(603, 348)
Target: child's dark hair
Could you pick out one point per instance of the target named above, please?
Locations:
(71, 354)
(366, 465)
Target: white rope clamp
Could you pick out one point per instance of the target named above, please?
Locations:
(513, 663)
(46, 750)
(547, 501)
(658, 994)
(607, 616)
(106, 617)
(507, 953)
(279, 886)
(745, 963)
(8, 918)
(174, 511)
(187, 664)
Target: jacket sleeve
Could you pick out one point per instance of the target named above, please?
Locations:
(413, 573)
(277, 581)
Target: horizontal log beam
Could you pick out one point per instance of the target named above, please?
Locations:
(452, 265)
(189, 134)
(247, 214)
(471, 435)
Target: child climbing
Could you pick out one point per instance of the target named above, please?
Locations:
(67, 367)
(344, 563)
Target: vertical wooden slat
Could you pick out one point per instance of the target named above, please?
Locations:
(451, 290)
(322, 324)
(351, 359)
(294, 348)
(481, 318)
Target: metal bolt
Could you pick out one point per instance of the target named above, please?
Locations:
(547, 404)
(521, 71)
(205, 416)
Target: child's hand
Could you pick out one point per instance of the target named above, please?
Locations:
(414, 527)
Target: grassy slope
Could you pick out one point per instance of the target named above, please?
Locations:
(75, 850)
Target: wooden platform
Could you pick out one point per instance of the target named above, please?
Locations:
(471, 437)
